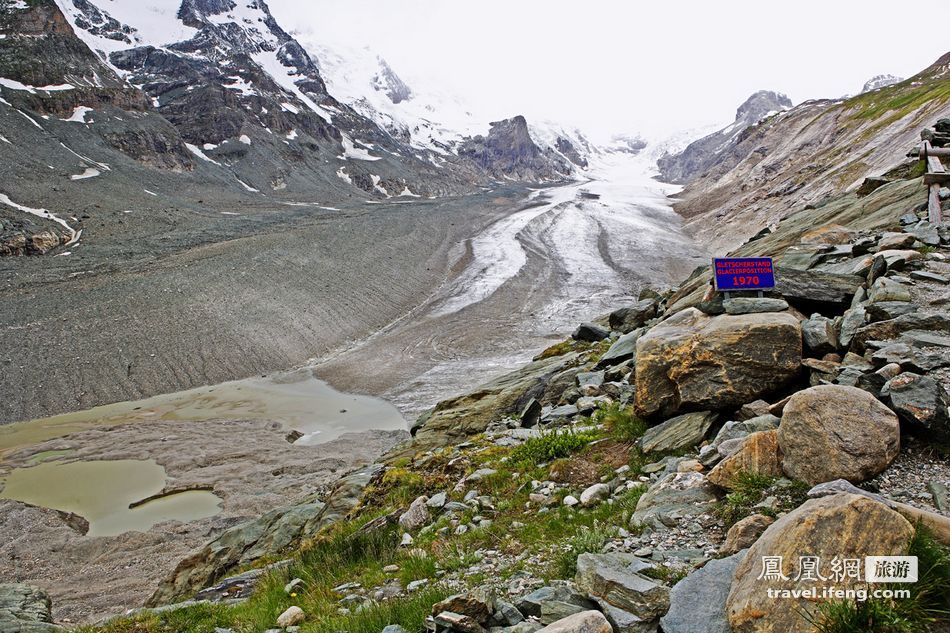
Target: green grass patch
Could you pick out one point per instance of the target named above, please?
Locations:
(409, 612)
(748, 490)
(622, 423)
(587, 540)
(928, 605)
(551, 445)
(416, 566)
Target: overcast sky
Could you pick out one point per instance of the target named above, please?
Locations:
(653, 67)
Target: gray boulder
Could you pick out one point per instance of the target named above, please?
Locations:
(886, 289)
(698, 602)
(674, 497)
(809, 287)
(590, 332)
(416, 516)
(884, 310)
(557, 591)
(630, 318)
(751, 305)
(683, 431)
(734, 430)
(615, 578)
(922, 404)
(584, 622)
(819, 335)
(853, 319)
(624, 621)
(624, 348)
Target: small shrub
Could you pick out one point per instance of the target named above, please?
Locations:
(558, 349)
(587, 540)
(621, 423)
(667, 575)
(551, 445)
(748, 490)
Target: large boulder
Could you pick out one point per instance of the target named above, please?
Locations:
(698, 602)
(841, 526)
(893, 328)
(811, 288)
(25, 609)
(693, 361)
(759, 454)
(922, 403)
(615, 578)
(673, 498)
(683, 431)
(836, 432)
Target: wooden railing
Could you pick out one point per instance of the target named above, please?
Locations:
(934, 178)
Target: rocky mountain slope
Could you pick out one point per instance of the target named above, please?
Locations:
(633, 477)
(200, 100)
(798, 158)
(699, 155)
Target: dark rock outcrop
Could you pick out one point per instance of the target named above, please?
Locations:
(508, 151)
(699, 155)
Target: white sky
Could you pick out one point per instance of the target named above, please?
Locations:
(613, 66)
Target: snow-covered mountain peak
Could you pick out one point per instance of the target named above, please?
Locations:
(880, 81)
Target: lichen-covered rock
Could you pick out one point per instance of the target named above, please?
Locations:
(841, 526)
(836, 432)
(692, 361)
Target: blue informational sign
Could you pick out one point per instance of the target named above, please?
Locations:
(743, 273)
